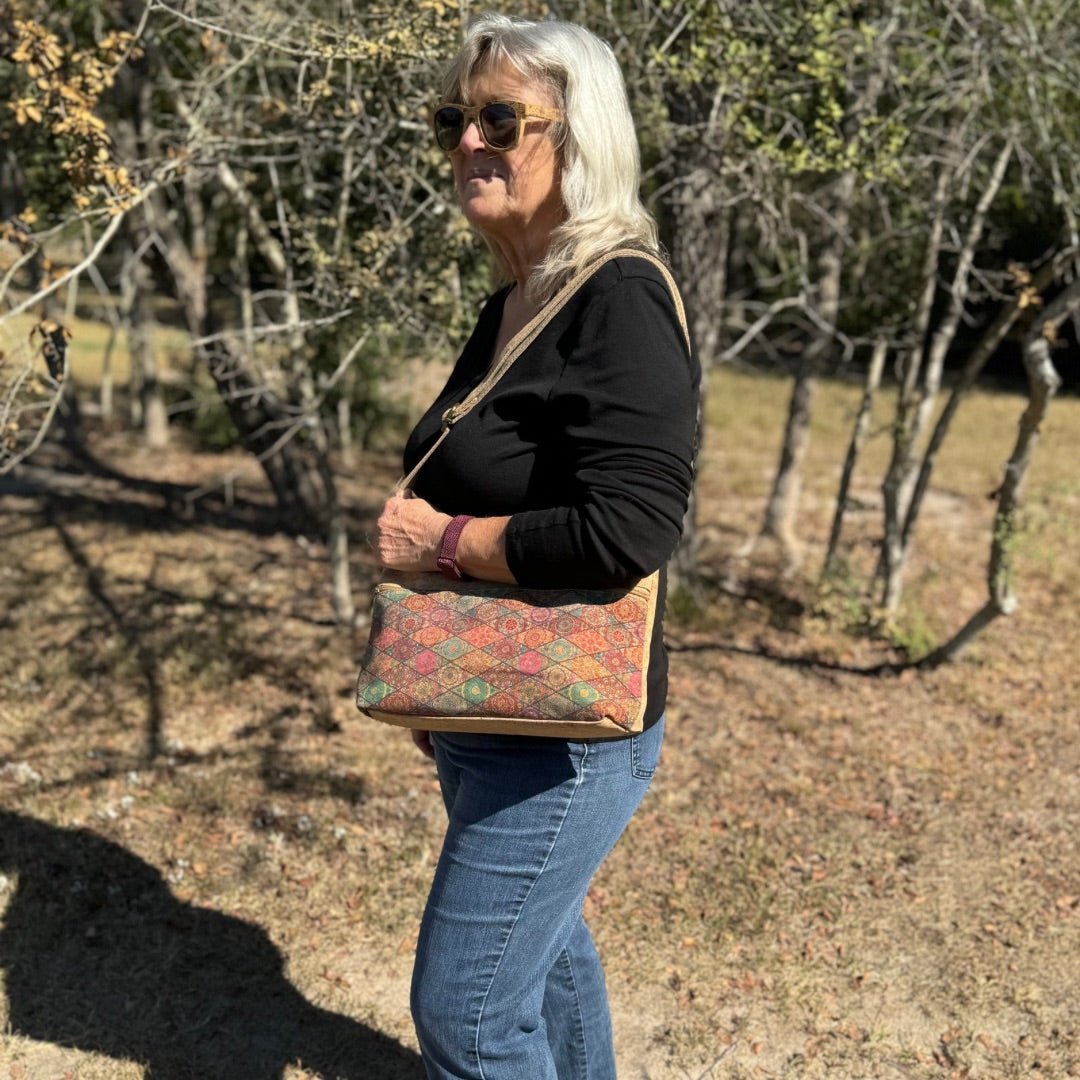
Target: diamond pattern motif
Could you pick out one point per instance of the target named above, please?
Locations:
(439, 648)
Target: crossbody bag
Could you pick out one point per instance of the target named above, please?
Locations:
(480, 656)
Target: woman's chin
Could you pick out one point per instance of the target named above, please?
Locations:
(483, 214)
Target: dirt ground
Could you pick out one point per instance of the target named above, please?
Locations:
(212, 867)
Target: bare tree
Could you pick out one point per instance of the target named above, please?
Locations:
(921, 382)
(263, 130)
(1043, 383)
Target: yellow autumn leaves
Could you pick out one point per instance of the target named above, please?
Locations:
(62, 90)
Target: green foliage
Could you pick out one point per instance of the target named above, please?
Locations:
(784, 84)
(913, 633)
(688, 608)
(842, 603)
(210, 423)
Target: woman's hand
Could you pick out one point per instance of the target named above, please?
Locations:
(408, 534)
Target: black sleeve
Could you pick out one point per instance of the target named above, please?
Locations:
(624, 412)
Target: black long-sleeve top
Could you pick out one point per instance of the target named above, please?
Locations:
(587, 442)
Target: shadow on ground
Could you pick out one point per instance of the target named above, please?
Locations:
(100, 956)
(79, 483)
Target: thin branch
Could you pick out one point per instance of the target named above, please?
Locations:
(760, 324)
(276, 328)
(304, 52)
(92, 256)
(15, 267)
(6, 465)
(680, 27)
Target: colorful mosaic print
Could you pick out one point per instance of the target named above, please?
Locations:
(482, 649)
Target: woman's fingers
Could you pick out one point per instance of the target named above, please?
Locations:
(408, 534)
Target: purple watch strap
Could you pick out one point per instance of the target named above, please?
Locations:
(447, 560)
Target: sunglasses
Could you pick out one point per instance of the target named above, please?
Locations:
(501, 123)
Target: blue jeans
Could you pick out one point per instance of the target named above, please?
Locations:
(507, 983)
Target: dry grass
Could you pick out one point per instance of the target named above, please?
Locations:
(91, 341)
(213, 868)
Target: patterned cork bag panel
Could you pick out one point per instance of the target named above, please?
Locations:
(440, 649)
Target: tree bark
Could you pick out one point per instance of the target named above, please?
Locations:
(987, 345)
(330, 514)
(265, 426)
(945, 333)
(106, 396)
(696, 225)
(144, 360)
(890, 565)
(858, 434)
(700, 232)
(919, 401)
(1043, 383)
(782, 508)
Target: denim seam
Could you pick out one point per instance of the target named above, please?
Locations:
(580, 1022)
(636, 770)
(521, 907)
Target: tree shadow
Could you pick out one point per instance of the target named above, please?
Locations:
(100, 956)
(145, 659)
(146, 618)
(83, 487)
(777, 607)
(76, 482)
(817, 663)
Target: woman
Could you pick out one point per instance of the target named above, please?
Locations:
(575, 470)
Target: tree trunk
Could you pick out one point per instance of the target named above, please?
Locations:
(782, 508)
(266, 427)
(267, 430)
(148, 409)
(695, 224)
(106, 395)
(858, 434)
(154, 415)
(330, 514)
(700, 232)
(344, 426)
(920, 405)
(945, 333)
(1028, 292)
(1043, 383)
(890, 564)
(341, 577)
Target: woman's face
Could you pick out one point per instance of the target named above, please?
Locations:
(502, 192)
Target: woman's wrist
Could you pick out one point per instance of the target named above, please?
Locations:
(481, 550)
(439, 524)
(447, 561)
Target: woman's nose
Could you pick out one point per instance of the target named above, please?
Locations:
(471, 139)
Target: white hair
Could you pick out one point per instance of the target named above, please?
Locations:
(601, 168)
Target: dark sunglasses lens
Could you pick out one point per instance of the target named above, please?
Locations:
(449, 127)
(500, 125)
